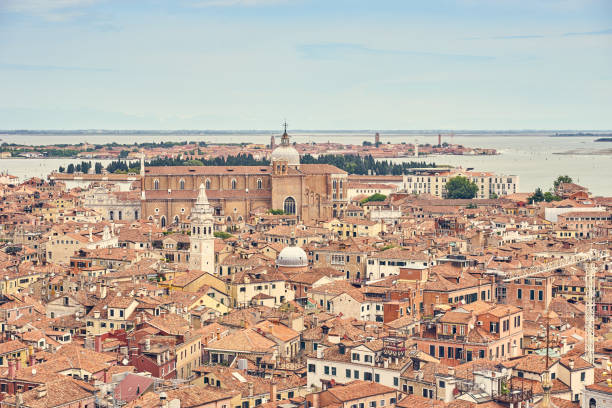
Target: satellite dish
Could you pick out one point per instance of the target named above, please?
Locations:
(125, 361)
(33, 371)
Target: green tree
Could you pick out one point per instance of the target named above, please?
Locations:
(98, 168)
(374, 197)
(193, 163)
(549, 196)
(70, 168)
(538, 196)
(222, 234)
(124, 154)
(62, 169)
(461, 187)
(562, 179)
(276, 212)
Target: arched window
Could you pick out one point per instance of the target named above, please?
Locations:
(592, 403)
(207, 184)
(163, 221)
(233, 184)
(155, 184)
(259, 184)
(176, 219)
(289, 205)
(182, 184)
(334, 184)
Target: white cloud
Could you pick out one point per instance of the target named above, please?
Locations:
(51, 10)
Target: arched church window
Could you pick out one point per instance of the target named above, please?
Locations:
(207, 184)
(163, 221)
(176, 219)
(259, 184)
(334, 183)
(289, 205)
(233, 184)
(155, 184)
(592, 403)
(182, 184)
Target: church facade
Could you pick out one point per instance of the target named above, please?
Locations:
(310, 191)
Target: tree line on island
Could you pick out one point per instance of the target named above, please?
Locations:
(352, 164)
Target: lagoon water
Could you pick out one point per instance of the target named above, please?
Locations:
(533, 157)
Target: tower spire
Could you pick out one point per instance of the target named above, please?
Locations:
(285, 137)
(142, 176)
(202, 197)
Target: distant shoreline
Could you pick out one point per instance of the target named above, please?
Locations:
(390, 132)
(603, 152)
(581, 134)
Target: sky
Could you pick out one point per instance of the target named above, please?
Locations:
(319, 64)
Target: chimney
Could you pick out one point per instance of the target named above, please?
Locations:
(251, 389)
(102, 291)
(17, 364)
(315, 400)
(163, 399)
(42, 391)
(31, 355)
(272, 391)
(147, 344)
(571, 364)
(11, 369)
(451, 371)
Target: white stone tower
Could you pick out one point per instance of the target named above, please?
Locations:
(202, 240)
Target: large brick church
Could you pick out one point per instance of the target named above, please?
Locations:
(310, 191)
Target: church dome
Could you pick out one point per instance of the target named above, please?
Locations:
(285, 152)
(292, 257)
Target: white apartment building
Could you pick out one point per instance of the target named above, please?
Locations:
(434, 182)
(364, 362)
(389, 262)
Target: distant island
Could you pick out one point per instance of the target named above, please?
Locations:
(582, 134)
(604, 139)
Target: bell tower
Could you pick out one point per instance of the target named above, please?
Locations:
(202, 240)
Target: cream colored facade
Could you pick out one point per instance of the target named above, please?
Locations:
(355, 227)
(111, 319)
(61, 246)
(434, 182)
(188, 357)
(242, 293)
